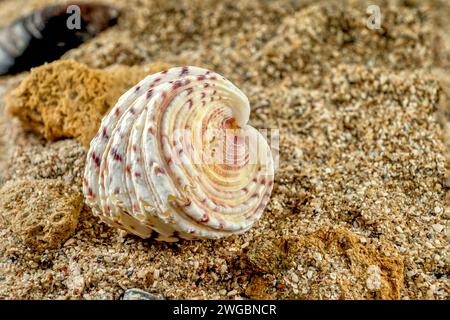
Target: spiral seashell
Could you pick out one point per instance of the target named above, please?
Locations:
(175, 156)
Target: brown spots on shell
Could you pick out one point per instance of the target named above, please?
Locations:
(156, 81)
(117, 112)
(116, 155)
(201, 77)
(176, 85)
(189, 91)
(262, 206)
(105, 134)
(184, 71)
(128, 169)
(90, 192)
(137, 174)
(205, 218)
(149, 94)
(159, 170)
(150, 130)
(96, 159)
(190, 103)
(134, 148)
(137, 88)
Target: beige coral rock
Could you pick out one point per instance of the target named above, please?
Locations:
(258, 289)
(42, 213)
(67, 99)
(380, 267)
(269, 256)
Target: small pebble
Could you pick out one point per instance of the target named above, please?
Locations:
(437, 227)
(138, 294)
(232, 293)
(437, 210)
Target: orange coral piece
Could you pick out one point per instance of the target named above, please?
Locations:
(66, 99)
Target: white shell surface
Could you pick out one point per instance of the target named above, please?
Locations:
(176, 156)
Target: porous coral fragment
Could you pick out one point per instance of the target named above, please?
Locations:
(66, 99)
(42, 213)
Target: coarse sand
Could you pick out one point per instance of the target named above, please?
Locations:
(360, 205)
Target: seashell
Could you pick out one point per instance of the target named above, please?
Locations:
(176, 158)
(43, 35)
